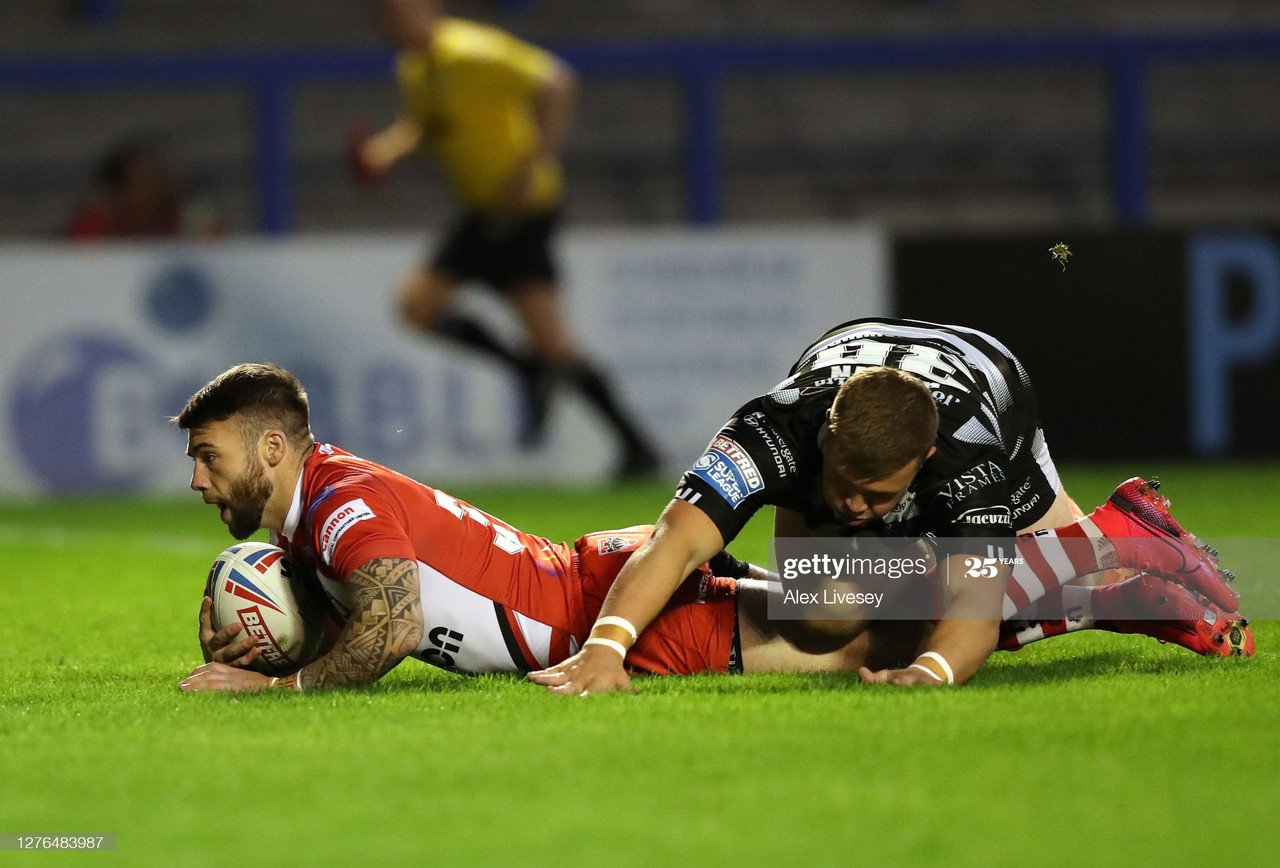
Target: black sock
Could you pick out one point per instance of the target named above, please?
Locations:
(472, 334)
(534, 374)
(584, 377)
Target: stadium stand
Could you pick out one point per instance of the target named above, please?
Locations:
(911, 148)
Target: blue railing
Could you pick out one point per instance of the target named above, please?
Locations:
(701, 66)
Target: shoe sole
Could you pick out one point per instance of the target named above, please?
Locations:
(1203, 628)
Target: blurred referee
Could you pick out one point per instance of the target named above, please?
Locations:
(492, 110)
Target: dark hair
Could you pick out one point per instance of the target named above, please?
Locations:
(881, 420)
(262, 396)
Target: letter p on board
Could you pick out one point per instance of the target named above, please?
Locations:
(1219, 344)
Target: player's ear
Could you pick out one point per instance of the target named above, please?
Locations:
(274, 446)
(929, 454)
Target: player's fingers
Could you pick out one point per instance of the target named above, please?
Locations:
(228, 656)
(206, 622)
(869, 677)
(548, 676)
(569, 688)
(210, 676)
(200, 686)
(910, 678)
(229, 653)
(248, 657)
(192, 681)
(224, 636)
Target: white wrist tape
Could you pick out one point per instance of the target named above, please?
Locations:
(608, 643)
(615, 621)
(941, 661)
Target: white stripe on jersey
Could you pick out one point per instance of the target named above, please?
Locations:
(461, 627)
(1004, 351)
(935, 330)
(971, 354)
(1040, 449)
(537, 636)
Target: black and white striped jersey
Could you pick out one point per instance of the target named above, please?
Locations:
(991, 472)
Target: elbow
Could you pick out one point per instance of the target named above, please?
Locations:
(568, 81)
(559, 95)
(409, 637)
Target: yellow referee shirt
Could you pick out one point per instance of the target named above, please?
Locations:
(472, 95)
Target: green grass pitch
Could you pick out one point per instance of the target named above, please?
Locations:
(1087, 749)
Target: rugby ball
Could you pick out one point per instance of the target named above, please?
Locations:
(255, 585)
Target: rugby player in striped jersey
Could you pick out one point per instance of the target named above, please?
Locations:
(904, 428)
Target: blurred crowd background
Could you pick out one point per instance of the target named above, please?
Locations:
(740, 176)
(972, 143)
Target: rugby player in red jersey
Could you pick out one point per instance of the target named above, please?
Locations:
(901, 428)
(414, 572)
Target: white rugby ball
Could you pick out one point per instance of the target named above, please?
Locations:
(254, 584)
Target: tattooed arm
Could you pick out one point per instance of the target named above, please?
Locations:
(385, 627)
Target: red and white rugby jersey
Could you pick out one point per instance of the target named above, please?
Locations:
(493, 598)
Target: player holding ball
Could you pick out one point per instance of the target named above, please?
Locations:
(413, 572)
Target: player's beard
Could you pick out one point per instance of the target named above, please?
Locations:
(247, 500)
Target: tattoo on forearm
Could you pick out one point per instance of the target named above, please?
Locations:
(385, 626)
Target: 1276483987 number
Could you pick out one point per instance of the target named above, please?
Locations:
(57, 842)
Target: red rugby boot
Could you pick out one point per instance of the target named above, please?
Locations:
(1146, 536)
(1165, 610)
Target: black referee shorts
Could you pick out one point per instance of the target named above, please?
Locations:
(500, 251)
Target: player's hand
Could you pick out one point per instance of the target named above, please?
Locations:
(221, 646)
(898, 677)
(366, 170)
(219, 676)
(594, 669)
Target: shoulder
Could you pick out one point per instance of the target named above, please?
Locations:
(353, 511)
(456, 38)
(466, 44)
(340, 485)
(764, 445)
